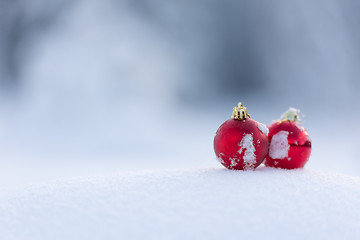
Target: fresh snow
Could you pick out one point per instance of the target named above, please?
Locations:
(219, 158)
(279, 146)
(247, 143)
(187, 204)
(263, 129)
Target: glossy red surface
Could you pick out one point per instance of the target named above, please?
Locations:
(229, 148)
(299, 145)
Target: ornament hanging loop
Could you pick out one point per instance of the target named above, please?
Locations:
(294, 115)
(240, 112)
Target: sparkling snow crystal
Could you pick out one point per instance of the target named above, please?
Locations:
(279, 146)
(234, 162)
(247, 143)
(219, 158)
(263, 129)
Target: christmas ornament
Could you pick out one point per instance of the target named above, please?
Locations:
(241, 143)
(290, 144)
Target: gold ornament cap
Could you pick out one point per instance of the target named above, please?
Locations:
(293, 115)
(240, 112)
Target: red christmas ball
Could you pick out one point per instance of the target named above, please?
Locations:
(290, 144)
(241, 143)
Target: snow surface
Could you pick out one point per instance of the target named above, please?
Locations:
(247, 143)
(279, 146)
(263, 129)
(187, 204)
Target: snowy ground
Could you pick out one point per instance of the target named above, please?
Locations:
(211, 203)
(197, 199)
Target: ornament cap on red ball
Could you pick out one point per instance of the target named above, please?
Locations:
(290, 144)
(241, 143)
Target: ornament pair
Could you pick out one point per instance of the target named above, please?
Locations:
(242, 143)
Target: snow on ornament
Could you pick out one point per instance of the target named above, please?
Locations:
(290, 144)
(241, 143)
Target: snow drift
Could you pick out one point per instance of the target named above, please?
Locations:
(187, 204)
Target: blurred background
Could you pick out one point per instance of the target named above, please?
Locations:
(92, 87)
